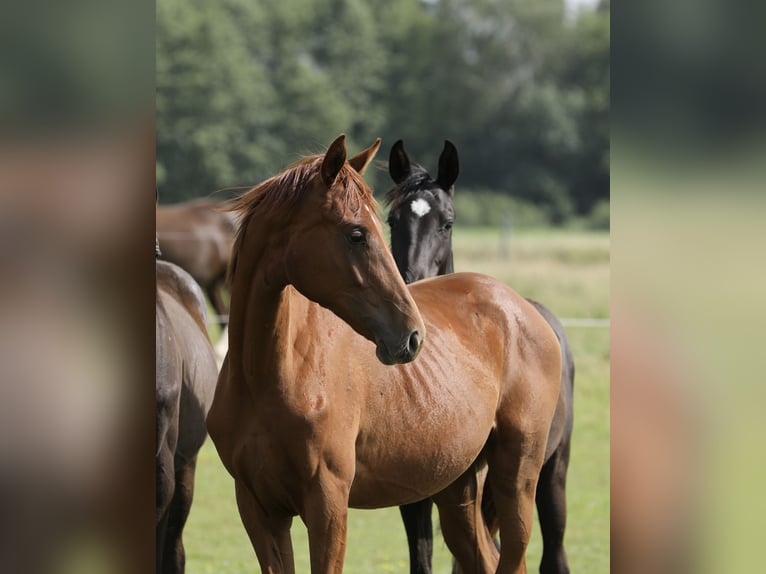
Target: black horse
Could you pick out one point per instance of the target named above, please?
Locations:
(421, 216)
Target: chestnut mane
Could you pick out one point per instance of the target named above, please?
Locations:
(279, 194)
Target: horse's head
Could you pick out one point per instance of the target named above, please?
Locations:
(422, 213)
(336, 255)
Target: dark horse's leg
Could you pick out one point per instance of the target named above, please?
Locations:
(174, 557)
(420, 535)
(552, 510)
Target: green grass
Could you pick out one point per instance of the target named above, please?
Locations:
(566, 270)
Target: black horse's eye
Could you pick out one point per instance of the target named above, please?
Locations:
(447, 226)
(357, 237)
(393, 222)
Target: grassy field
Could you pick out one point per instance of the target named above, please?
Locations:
(566, 270)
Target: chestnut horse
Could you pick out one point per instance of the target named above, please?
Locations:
(197, 236)
(185, 380)
(421, 216)
(309, 422)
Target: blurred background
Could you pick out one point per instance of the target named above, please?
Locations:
(521, 87)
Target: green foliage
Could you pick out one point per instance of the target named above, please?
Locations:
(485, 208)
(243, 88)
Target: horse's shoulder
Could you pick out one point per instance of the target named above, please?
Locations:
(178, 284)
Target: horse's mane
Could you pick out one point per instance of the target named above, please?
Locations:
(280, 193)
(414, 183)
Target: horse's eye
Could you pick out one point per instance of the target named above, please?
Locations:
(393, 222)
(447, 226)
(357, 237)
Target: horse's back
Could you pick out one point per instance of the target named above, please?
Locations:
(173, 281)
(466, 287)
(197, 236)
(471, 301)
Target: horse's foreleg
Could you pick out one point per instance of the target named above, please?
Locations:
(420, 535)
(463, 527)
(326, 517)
(269, 533)
(552, 511)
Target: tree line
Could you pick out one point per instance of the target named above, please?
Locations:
(520, 86)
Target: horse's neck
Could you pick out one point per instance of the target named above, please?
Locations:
(260, 315)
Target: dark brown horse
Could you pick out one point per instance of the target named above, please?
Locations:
(321, 403)
(197, 236)
(421, 216)
(185, 382)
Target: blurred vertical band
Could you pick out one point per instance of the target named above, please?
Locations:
(76, 284)
(687, 157)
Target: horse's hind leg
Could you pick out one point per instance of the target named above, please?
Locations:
(420, 535)
(165, 489)
(269, 533)
(552, 510)
(515, 457)
(174, 556)
(463, 527)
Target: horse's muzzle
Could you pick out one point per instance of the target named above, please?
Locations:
(414, 343)
(404, 354)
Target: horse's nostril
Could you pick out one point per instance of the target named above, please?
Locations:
(414, 343)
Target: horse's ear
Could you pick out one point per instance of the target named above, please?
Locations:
(360, 160)
(398, 163)
(333, 160)
(449, 166)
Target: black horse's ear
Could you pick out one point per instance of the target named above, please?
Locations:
(333, 160)
(359, 161)
(398, 163)
(449, 166)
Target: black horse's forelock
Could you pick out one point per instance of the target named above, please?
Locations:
(414, 183)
